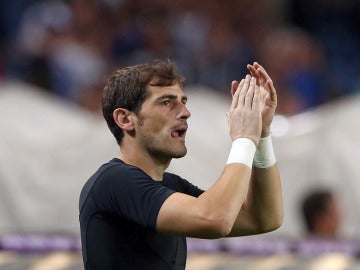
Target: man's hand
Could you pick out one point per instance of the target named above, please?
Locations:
(268, 96)
(244, 117)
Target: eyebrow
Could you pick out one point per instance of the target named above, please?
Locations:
(173, 97)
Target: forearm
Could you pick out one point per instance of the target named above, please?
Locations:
(221, 204)
(214, 212)
(266, 198)
(223, 201)
(262, 210)
(226, 197)
(265, 195)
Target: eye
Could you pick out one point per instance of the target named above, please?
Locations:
(166, 103)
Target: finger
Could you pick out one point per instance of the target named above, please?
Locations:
(250, 93)
(261, 76)
(254, 73)
(272, 91)
(257, 99)
(264, 95)
(262, 79)
(262, 71)
(252, 69)
(234, 86)
(244, 90)
(236, 94)
(228, 120)
(268, 83)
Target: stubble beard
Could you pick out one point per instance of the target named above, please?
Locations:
(162, 148)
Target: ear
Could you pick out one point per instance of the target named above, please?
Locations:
(123, 118)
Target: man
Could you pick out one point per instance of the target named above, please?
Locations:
(321, 214)
(134, 215)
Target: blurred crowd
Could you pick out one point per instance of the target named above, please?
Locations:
(68, 47)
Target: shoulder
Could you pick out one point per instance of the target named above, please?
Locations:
(180, 184)
(118, 172)
(114, 174)
(173, 179)
(168, 175)
(118, 168)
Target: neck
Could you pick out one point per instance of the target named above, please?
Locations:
(152, 166)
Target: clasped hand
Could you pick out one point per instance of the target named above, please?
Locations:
(254, 101)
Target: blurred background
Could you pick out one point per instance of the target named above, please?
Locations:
(56, 55)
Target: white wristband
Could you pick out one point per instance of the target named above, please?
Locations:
(264, 155)
(242, 151)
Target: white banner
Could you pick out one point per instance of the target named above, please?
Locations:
(49, 149)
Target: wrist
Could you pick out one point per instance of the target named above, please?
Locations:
(265, 133)
(264, 156)
(242, 151)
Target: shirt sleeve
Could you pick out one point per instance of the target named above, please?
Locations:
(191, 189)
(129, 193)
(179, 184)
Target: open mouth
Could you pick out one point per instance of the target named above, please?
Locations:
(179, 132)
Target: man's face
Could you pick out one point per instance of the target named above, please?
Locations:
(333, 215)
(162, 122)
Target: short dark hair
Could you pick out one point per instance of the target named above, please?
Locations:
(127, 88)
(314, 205)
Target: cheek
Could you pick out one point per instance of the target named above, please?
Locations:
(153, 126)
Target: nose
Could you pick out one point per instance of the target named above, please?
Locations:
(184, 112)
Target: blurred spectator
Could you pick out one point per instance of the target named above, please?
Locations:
(223, 59)
(321, 214)
(67, 47)
(336, 25)
(295, 62)
(59, 49)
(38, 24)
(127, 37)
(76, 58)
(1, 62)
(10, 14)
(189, 30)
(158, 44)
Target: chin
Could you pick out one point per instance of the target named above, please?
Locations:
(179, 154)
